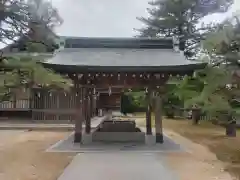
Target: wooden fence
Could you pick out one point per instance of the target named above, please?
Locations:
(44, 105)
(18, 105)
(55, 105)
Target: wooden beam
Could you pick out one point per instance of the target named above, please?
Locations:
(158, 119)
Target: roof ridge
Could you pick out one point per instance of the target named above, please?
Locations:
(161, 43)
(117, 38)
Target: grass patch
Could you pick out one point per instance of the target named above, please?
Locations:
(226, 149)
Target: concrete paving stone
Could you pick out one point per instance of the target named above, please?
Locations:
(118, 166)
(67, 145)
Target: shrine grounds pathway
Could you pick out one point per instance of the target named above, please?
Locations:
(118, 166)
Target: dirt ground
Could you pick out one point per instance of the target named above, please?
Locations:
(23, 156)
(210, 155)
(222, 150)
(198, 163)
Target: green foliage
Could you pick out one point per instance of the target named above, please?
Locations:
(126, 104)
(211, 94)
(26, 72)
(138, 98)
(206, 90)
(44, 13)
(166, 17)
(18, 17)
(187, 88)
(169, 96)
(223, 45)
(32, 21)
(179, 18)
(133, 101)
(223, 49)
(36, 47)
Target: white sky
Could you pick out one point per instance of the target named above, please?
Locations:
(220, 17)
(109, 18)
(100, 18)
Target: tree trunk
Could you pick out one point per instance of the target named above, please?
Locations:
(170, 112)
(231, 129)
(196, 116)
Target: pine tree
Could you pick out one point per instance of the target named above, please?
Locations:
(28, 72)
(32, 22)
(44, 18)
(14, 19)
(180, 18)
(220, 78)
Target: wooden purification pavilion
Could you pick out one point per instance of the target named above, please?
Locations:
(112, 64)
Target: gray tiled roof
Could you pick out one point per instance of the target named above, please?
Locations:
(118, 57)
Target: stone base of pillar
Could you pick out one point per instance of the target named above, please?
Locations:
(77, 137)
(150, 140)
(87, 139)
(159, 138)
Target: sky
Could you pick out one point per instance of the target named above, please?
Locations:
(108, 18)
(100, 18)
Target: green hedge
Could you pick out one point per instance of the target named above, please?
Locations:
(133, 102)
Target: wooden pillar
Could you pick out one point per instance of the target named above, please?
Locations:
(97, 104)
(91, 105)
(58, 96)
(14, 100)
(78, 116)
(158, 119)
(85, 106)
(88, 115)
(148, 113)
(94, 105)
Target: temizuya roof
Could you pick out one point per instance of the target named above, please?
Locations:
(120, 54)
